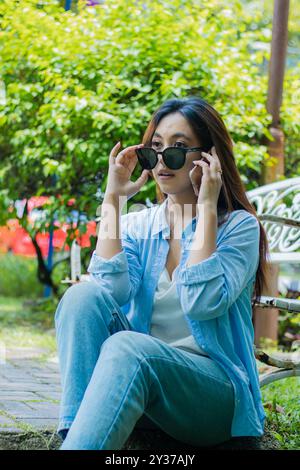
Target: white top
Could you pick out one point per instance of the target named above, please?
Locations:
(168, 322)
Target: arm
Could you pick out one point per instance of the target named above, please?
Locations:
(115, 262)
(121, 273)
(209, 288)
(108, 242)
(204, 243)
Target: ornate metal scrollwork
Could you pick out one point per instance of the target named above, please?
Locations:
(282, 201)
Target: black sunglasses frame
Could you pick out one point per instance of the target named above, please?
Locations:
(184, 151)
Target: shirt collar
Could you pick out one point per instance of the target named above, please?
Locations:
(160, 223)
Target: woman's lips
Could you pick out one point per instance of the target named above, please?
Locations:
(164, 177)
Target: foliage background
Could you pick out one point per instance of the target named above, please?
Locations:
(74, 83)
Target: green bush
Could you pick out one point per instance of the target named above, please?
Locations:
(18, 277)
(76, 83)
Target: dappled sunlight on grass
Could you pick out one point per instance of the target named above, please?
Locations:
(27, 337)
(15, 312)
(9, 304)
(22, 327)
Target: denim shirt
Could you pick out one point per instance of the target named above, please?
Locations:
(215, 295)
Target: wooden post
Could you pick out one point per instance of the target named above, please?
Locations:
(275, 150)
(277, 60)
(275, 89)
(266, 320)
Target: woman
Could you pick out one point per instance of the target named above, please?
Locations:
(163, 334)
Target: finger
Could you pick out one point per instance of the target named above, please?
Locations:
(131, 150)
(203, 165)
(214, 163)
(141, 180)
(196, 190)
(195, 175)
(114, 153)
(215, 155)
(195, 171)
(132, 157)
(195, 185)
(128, 156)
(214, 152)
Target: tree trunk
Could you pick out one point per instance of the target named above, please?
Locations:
(43, 273)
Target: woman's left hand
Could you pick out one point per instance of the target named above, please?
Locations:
(211, 181)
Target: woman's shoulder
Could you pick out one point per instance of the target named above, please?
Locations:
(242, 214)
(238, 218)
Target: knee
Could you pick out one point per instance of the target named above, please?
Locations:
(79, 301)
(81, 290)
(130, 345)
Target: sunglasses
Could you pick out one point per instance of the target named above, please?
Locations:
(173, 157)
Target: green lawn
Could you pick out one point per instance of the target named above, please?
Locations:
(282, 405)
(22, 327)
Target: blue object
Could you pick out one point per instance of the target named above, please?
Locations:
(47, 289)
(68, 4)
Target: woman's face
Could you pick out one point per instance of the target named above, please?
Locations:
(174, 131)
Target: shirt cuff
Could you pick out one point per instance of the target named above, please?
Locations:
(203, 271)
(117, 264)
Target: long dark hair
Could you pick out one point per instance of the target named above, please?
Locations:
(209, 127)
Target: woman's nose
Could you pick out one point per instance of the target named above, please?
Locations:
(160, 151)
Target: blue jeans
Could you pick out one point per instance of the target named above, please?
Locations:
(115, 379)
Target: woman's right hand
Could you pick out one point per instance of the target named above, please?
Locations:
(121, 167)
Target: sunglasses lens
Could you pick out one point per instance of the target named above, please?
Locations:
(147, 158)
(174, 158)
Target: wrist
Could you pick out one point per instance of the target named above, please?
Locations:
(114, 199)
(207, 207)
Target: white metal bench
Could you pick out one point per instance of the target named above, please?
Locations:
(278, 207)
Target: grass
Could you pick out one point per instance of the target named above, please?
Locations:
(18, 276)
(22, 327)
(282, 405)
(29, 439)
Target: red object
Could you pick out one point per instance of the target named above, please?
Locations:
(15, 239)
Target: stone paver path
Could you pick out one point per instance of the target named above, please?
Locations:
(29, 396)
